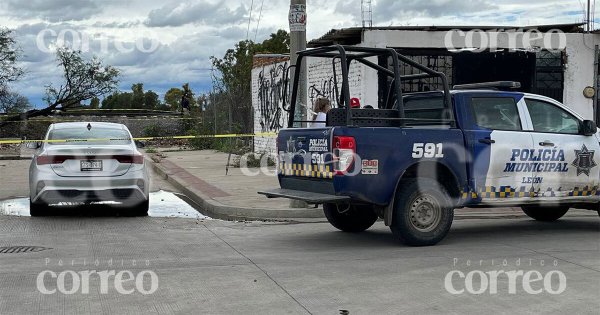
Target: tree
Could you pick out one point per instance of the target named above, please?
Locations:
(151, 100)
(137, 97)
(235, 70)
(9, 55)
(84, 80)
(173, 98)
(278, 43)
(95, 103)
(117, 100)
(14, 103)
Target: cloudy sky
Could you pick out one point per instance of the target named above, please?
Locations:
(183, 34)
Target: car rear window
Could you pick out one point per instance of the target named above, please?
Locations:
(102, 136)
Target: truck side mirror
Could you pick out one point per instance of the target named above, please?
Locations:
(589, 128)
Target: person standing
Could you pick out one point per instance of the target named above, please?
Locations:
(322, 107)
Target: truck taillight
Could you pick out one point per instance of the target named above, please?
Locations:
(344, 149)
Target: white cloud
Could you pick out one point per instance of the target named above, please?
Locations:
(190, 31)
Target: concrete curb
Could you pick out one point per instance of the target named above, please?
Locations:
(14, 157)
(218, 210)
(226, 212)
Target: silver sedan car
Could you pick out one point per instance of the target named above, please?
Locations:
(87, 163)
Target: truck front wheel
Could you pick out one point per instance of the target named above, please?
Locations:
(545, 214)
(351, 218)
(423, 212)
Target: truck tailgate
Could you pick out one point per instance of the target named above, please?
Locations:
(305, 153)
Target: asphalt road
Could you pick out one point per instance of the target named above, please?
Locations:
(218, 267)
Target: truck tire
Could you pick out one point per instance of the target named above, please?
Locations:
(353, 219)
(423, 212)
(545, 214)
(38, 209)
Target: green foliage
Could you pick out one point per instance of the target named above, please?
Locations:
(154, 130)
(117, 100)
(95, 103)
(278, 43)
(137, 96)
(137, 99)
(233, 84)
(151, 100)
(173, 98)
(254, 160)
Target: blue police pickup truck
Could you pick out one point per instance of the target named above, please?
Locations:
(419, 156)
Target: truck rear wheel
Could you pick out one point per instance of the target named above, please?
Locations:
(352, 218)
(545, 214)
(423, 212)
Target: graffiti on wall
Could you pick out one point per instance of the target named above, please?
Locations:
(324, 89)
(274, 93)
(273, 97)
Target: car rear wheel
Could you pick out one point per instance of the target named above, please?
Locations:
(545, 214)
(423, 212)
(38, 209)
(351, 218)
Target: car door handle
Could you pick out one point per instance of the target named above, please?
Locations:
(487, 141)
(546, 144)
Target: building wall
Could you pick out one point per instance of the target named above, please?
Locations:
(579, 73)
(268, 80)
(270, 111)
(268, 89)
(579, 50)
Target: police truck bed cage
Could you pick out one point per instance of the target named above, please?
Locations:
(393, 112)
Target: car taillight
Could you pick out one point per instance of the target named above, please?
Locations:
(51, 159)
(344, 149)
(130, 159)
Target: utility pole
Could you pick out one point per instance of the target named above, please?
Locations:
(589, 11)
(297, 19)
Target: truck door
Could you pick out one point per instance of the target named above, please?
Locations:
(568, 162)
(498, 147)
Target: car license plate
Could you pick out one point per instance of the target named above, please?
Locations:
(89, 166)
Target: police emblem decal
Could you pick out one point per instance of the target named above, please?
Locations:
(584, 161)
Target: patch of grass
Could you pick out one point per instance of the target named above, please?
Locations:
(253, 160)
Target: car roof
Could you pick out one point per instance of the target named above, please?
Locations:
(97, 125)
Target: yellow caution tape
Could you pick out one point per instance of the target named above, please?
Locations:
(264, 134)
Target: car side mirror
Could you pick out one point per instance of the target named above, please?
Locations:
(139, 144)
(589, 128)
(33, 145)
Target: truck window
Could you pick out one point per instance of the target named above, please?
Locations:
(497, 113)
(424, 108)
(547, 117)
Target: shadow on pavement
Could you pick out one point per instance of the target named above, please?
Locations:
(488, 231)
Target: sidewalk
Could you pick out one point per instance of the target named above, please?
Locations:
(201, 176)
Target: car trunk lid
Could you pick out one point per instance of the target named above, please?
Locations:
(78, 161)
